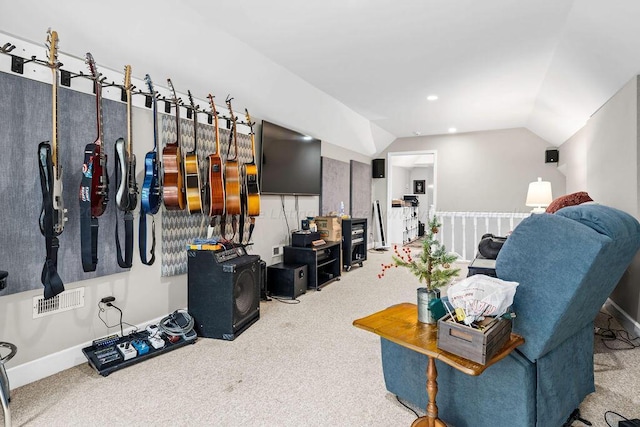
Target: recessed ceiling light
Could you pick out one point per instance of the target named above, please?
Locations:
(417, 133)
(432, 97)
(453, 130)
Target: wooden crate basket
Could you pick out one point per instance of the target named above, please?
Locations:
(471, 343)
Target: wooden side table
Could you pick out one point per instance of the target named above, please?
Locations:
(399, 324)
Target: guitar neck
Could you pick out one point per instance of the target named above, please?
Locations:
(154, 104)
(98, 88)
(129, 126)
(195, 131)
(177, 123)
(54, 136)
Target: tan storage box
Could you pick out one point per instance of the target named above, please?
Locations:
(474, 344)
(330, 228)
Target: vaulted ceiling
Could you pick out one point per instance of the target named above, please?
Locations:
(546, 65)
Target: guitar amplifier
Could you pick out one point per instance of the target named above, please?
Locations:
(304, 238)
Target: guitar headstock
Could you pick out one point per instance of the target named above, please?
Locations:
(193, 105)
(147, 80)
(92, 66)
(228, 102)
(127, 78)
(52, 48)
(248, 118)
(173, 92)
(213, 106)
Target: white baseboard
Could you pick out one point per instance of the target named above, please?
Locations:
(56, 362)
(625, 320)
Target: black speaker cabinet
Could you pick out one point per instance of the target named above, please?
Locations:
(287, 280)
(552, 156)
(377, 168)
(223, 295)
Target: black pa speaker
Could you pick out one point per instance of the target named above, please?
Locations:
(223, 295)
(377, 168)
(552, 156)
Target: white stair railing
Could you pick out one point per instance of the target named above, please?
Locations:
(463, 240)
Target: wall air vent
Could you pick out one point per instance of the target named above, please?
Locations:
(64, 301)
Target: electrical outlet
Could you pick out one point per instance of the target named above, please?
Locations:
(276, 251)
(106, 300)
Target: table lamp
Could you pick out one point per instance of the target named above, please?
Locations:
(539, 195)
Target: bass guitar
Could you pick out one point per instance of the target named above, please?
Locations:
(127, 191)
(216, 180)
(232, 170)
(192, 168)
(151, 192)
(97, 164)
(173, 178)
(250, 176)
(54, 184)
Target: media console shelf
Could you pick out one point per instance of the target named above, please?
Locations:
(323, 262)
(354, 242)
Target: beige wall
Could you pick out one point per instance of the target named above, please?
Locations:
(483, 171)
(602, 159)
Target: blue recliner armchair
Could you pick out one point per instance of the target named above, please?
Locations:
(567, 265)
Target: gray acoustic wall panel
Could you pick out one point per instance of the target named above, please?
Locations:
(361, 181)
(25, 121)
(335, 186)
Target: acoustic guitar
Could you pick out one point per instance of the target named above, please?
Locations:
(97, 164)
(52, 150)
(232, 170)
(250, 176)
(127, 190)
(216, 180)
(151, 191)
(192, 168)
(173, 177)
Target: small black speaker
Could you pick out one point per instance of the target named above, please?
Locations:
(223, 296)
(287, 280)
(377, 168)
(552, 156)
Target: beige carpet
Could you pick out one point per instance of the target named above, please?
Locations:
(299, 365)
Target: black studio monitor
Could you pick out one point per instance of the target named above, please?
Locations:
(552, 156)
(377, 168)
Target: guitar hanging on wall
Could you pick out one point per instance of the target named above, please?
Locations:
(250, 180)
(192, 168)
(125, 175)
(216, 179)
(127, 190)
(53, 213)
(173, 178)
(94, 187)
(151, 191)
(150, 197)
(98, 158)
(232, 169)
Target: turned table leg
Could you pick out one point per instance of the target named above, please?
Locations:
(431, 418)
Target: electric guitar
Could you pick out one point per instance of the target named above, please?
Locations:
(232, 170)
(250, 176)
(151, 191)
(127, 192)
(55, 180)
(192, 168)
(173, 186)
(97, 161)
(216, 180)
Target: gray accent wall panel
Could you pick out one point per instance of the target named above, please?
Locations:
(25, 121)
(361, 205)
(335, 186)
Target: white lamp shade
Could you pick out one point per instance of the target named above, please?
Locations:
(539, 194)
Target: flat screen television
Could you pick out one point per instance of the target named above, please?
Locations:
(290, 162)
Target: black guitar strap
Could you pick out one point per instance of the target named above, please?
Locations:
(142, 238)
(49, 277)
(88, 223)
(128, 228)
